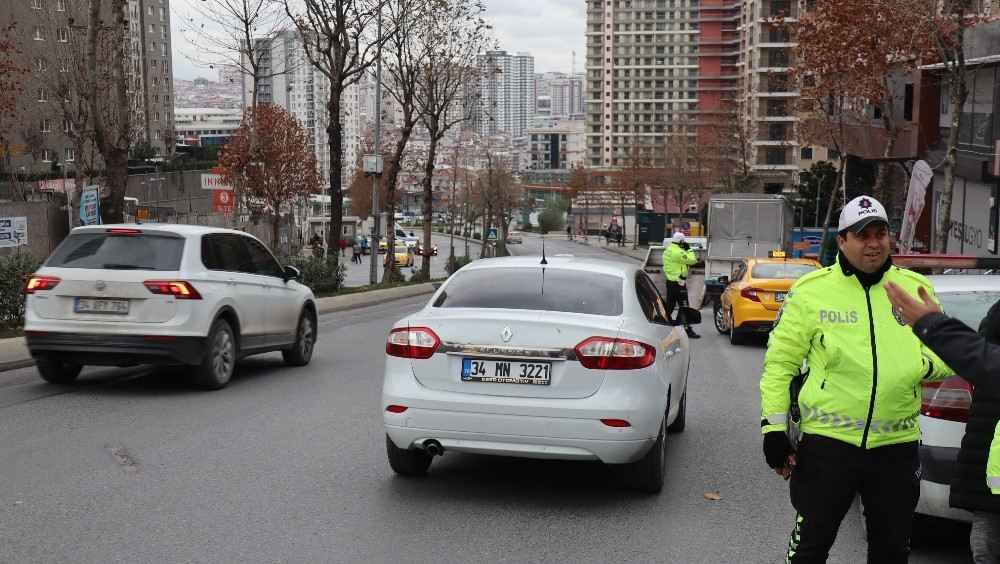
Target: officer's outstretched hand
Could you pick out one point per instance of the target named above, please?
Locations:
(779, 453)
(684, 245)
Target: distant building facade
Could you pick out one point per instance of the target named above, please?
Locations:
(507, 95)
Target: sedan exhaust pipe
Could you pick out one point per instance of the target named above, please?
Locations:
(433, 448)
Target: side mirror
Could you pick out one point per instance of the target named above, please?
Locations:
(724, 280)
(291, 273)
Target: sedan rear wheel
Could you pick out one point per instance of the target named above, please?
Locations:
(217, 367)
(305, 338)
(648, 474)
(736, 336)
(55, 371)
(412, 462)
(719, 317)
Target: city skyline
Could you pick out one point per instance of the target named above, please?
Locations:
(518, 26)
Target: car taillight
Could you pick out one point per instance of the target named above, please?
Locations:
(949, 400)
(412, 342)
(614, 354)
(38, 283)
(123, 231)
(179, 289)
(750, 294)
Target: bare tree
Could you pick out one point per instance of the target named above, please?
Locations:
(109, 102)
(446, 84)
(236, 33)
(339, 41)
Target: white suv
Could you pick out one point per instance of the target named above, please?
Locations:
(124, 295)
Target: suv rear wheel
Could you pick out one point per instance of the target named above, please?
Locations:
(217, 366)
(413, 462)
(305, 338)
(55, 371)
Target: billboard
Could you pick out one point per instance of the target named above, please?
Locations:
(13, 231)
(214, 182)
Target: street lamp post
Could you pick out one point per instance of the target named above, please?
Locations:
(373, 263)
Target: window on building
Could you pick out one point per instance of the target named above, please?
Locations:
(163, 14)
(150, 10)
(63, 65)
(70, 155)
(62, 35)
(45, 126)
(152, 63)
(48, 155)
(163, 32)
(38, 33)
(60, 5)
(152, 27)
(36, 4)
(67, 126)
(163, 49)
(156, 81)
(41, 64)
(43, 96)
(807, 153)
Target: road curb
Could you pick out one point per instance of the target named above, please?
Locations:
(323, 305)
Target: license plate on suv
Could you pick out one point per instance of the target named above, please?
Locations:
(506, 371)
(92, 305)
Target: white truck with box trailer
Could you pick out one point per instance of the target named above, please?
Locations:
(742, 226)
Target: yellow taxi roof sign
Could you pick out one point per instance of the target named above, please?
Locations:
(776, 254)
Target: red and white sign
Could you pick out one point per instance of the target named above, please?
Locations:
(214, 182)
(56, 186)
(222, 201)
(919, 179)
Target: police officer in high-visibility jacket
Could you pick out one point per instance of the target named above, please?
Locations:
(677, 259)
(860, 402)
(976, 357)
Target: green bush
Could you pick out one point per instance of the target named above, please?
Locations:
(323, 276)
(454, 263)
(14, 273)
(527, 227)
(418, 276)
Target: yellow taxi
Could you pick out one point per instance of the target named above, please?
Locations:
(383, 246)
(751, 300)
(404, 255)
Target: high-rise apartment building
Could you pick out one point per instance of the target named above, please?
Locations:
(642, 76)
(507, 95)
(567, 96)
(50, 40)
(290, 81)
(767, 95)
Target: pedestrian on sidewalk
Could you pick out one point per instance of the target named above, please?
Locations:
(677, 259)
(976, 357)
(356, 251)
(858, 405)
(343, 247)
(569, 232)
(364, 245)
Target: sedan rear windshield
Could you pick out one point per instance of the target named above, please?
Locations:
(542, 289)
(113, 251)
(781, 270)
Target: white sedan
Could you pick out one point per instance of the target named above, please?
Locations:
(568, 358)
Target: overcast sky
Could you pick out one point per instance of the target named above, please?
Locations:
(548, 29)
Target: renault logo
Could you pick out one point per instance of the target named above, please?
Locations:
(100, 285)
(506, 334)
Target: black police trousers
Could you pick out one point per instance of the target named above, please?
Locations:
(677, 295)
(828, 475)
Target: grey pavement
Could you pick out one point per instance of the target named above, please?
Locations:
(14, 352)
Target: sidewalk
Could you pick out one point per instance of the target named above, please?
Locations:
(14, 353)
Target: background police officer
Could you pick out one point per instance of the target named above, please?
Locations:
(976, 485)
(859, 404)
(677, 258)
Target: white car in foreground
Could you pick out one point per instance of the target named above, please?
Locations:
(570, 359)
(945, 405)
(122, 295)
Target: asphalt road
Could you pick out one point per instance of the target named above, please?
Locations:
(288, 465)
(360, 274)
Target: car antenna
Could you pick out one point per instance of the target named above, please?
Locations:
(543, 254)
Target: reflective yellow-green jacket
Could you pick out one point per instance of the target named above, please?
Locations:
(865, 365)
(993, 463)
(676, 262)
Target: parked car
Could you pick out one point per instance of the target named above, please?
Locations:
(403, 254)
(601, 375)
(751, 300)
(515, 238)
(945, 405)
(128, 294)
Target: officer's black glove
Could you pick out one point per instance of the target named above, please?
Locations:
(777, 447)
(684, 245)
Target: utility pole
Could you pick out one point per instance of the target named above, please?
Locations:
(373, 266)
